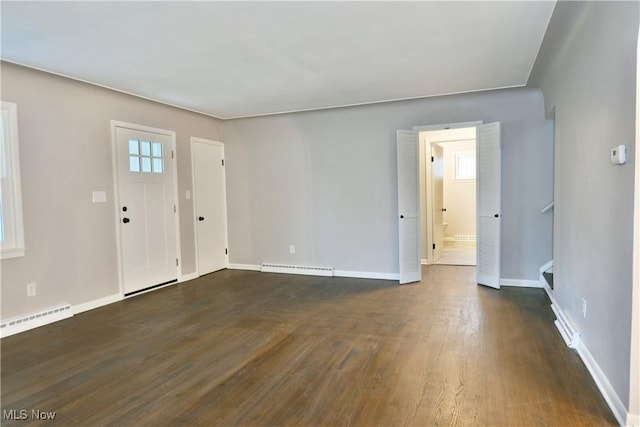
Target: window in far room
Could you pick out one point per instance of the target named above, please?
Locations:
(11, 226)
(465, 165)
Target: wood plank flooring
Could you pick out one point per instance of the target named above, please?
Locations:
(239, 348)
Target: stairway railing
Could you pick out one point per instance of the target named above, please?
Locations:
(547, 208)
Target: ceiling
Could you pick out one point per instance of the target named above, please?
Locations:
(237, 59)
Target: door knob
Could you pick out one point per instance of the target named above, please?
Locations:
(200, 218)
(401, 216)
(125, 220)
(444, 209)
(497, 216)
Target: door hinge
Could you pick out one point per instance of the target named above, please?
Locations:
(434, 246)
(172, 154)
(174, 209)
(177, 263)
(226, 251)
(222, 162)
(432, 159)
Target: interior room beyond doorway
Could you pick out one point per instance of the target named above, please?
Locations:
(449, 217)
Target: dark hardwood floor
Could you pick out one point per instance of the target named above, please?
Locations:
(256, 349)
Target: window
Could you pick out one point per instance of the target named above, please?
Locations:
(145, 156)
(466, 165)
(11, 227)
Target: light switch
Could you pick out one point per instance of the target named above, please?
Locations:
(188, 194)
(99, 197)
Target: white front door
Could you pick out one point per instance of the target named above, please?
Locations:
(210, 205)
(488, 202)
(408, 206)
(147, 207)
(437, 170)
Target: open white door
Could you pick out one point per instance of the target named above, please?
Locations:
(437, 170)
(488, 202)
(408, 206)
(210, 205)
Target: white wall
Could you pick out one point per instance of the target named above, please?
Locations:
(587, 70)
(326, 181)
(634, 386)
(65, 153)
(459, 195)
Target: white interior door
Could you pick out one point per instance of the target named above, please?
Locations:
(210, 205)
(408, 206)
(147, 210)
(488, 202)
(437, 169)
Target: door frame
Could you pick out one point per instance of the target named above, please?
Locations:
(116, 198)
(194, 197)
(428, 174)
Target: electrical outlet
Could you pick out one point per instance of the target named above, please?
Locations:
(584, 307)
(292, 249)
(31, 289)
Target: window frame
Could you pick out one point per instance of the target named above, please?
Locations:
(13, 229)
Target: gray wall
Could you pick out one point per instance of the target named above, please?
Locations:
(586, 68)
(65, 149)
(326, 181)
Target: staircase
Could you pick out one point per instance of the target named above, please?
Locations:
(546, 274)
(546, 271)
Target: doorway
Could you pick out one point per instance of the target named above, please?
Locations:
(413, 170)
(449, 191)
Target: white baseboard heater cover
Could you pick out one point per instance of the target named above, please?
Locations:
(24, 323)
(569, 334)
(296, 269)
(464, 237)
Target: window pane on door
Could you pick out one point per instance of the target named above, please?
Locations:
(133, 147)
(157, 149)
(146, 164)
(134, 163)
(145, 148)
(157, 166)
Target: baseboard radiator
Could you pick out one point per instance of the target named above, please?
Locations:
(569, 334)
(23, 323)
(297, 269)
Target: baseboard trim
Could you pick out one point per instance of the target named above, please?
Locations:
(336, 273)
(96, 303)
(623, 417)
(609, 394)
(248, 267)
(366, 275)
(520, 283)
(424, 261)
(187, 277)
